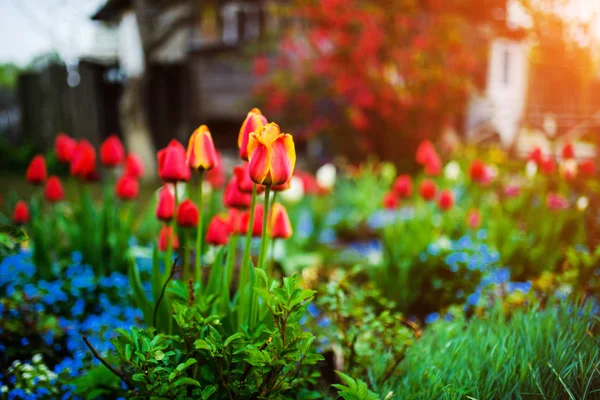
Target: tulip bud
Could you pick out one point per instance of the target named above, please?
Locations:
(112, 152)
(218, 231)
(433, 166)
(446, 200)
(254, 122)
(259, 212)
(127, 188)
(425, 152)
(166, 235)
(427, 189)
(568, 169)
(281, 228)
(235, 217)
(403, 186)
(390, 201)
(36, 172)
(568, 152)
(166, 204)
(83, 163)
(187, 214)
(64, 147)
(587, 168)
(272, 156)
(244, 182)
(21, 213)
(53, 191)
(548, 166)
(201, 153)
(326, 176)
(474, 219)
(171, 163)
(478, 171)
(134, 166)
(536, 155)
(233, 197)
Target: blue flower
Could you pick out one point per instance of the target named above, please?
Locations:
(431, 318)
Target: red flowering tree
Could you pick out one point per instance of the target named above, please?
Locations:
(376, 75)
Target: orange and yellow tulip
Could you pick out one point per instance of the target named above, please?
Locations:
(201, 153)
(272, 156)
(254, 122)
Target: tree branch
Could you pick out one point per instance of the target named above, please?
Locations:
(105, 363)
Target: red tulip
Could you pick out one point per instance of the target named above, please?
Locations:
(446, 200)
(216, 176)
(201, 153)
(218, 231)
(254, 122)
(283, 187)
(548, 166)
(587, 168)
(187, 214)
(568, 151)
(235, 221)
(233, 197)
(166, 204)
(427, 189)
(64, 147)
(166, 235)
(21, 213)
(474, 219)
(433, 166)
(556, 201)
(259, 212)
(536, 155)
(425, 152)
(244, 182)
(127, 188)
(112, 152)
(281, 228)
(403, 186)
(83, 163)
(171, 163)
(478, 171)
(390, 201)
(272, 156)
(53, 191)
(134, 166)
(36, 172)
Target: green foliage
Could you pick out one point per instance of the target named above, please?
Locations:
(11, 238)
(366, 335)
(359, 196)
(550, 353)
(204, 361)
(354, 389)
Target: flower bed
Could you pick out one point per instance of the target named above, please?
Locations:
(280, 284)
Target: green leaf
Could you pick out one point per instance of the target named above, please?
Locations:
(159, 355)
(208, 391)
(186, 381)
(231, 338)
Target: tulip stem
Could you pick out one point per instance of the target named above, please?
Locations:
(246, 256)
(186, 256)
(271, 261)
(265, 227)
(171, 238)
(198, 264)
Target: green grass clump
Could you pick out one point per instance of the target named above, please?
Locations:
(550, 353)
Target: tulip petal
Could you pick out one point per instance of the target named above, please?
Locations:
(260, 161)
(283, 159)
(254, 122)
(271, 132)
